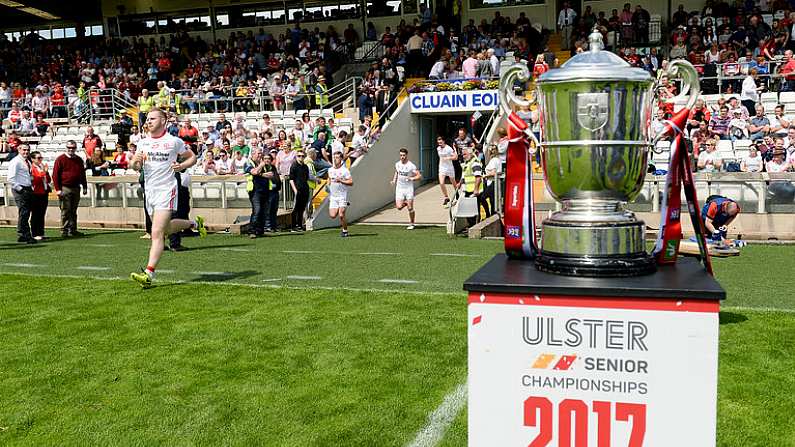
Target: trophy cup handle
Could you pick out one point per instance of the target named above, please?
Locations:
(691, 89)
(684, 70)
(508, 99)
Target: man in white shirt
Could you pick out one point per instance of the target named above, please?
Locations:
(566, 24)
(494, 61)
(437, 71)
(22, 187)
(159, 156)
(340, 181)
(406, 173)
(338, 145)
(224, 164)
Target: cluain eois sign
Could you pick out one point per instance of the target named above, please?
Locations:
(588, 371)
(454, 101)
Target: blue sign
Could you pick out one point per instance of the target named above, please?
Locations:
(455, 101)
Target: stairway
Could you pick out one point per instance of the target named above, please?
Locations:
(555, 44)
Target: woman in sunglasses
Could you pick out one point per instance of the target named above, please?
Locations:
(41, 188)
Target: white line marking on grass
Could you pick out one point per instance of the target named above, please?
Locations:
(398, 281)
(460, 255)
(21, 264)
(101, 245)
(212, 273)
(441, 418)
(94, 268)
(303, 277)
(235, 249)
(758, 309)
(301, 252)
(167, 271)
(251, 285)
(271, 279)
(379, 254)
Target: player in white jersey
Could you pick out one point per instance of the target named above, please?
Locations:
(446, 169)
(159, 156)
(340, 181)
(406, 174)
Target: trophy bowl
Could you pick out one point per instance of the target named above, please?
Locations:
(595, 114)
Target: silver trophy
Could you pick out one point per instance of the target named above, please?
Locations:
(595, 111)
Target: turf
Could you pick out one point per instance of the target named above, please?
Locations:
(238, 346)
(88, 362)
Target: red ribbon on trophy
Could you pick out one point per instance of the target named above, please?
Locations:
(519, 219)
(666, 249)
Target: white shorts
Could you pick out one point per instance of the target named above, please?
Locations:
(448, 172)
(403, 194)
(164, 199)
(337, 202)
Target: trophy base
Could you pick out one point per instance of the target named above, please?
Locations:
(598, 249)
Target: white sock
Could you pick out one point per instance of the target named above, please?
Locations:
(150, 274)
(193, 223)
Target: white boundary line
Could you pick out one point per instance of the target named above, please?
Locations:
(241, 284)
(441, 418)
(307, 278)
(397, 281)
(458, 255)
(348, 289)
(93, 268)
(22, 265)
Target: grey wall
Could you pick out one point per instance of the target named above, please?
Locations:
(371, 174)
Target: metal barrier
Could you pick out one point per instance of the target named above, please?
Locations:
(214, 191)
(751, 190)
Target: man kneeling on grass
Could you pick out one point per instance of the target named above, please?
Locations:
(159, 157)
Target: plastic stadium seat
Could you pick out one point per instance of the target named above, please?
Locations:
(328, 112)
(769, 97)
(742, 144)
(740, 154)
(725, 146)
(787, 97)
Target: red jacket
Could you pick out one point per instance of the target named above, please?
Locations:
(41, 180)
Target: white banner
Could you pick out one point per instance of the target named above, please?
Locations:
(621, 374)
(455, 101)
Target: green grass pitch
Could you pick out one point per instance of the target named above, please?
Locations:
(303, 340)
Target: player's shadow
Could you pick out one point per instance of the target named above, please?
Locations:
(362, 234)
(215, 247)
(18, 246)
(225, 276)
(731, 318)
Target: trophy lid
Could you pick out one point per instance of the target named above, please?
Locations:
(596, 64)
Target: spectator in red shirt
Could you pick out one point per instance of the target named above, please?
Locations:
(788, 71)
(41, 188)
(189, 134)
(91, 141)
(68, 175)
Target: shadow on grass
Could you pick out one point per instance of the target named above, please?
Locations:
(225, 276)
(362, 234)
(19, 246)
(210, 247)
(731, 318)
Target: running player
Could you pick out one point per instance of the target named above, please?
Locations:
(159, 157)
(339, 182)
(446, 169)
(403, 180)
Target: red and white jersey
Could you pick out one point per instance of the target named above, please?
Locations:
(160, 153)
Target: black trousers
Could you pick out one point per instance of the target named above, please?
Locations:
(272, 210)
(259, 203)
(301, 200)
(38, 210)
(488, 199)
(24, 201)
(182, 212)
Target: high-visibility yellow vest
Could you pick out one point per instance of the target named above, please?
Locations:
(312, 174)
(321, 95)
(249, 177)
(468, 175)
(163, 101)
(178, 104)
(146, 104)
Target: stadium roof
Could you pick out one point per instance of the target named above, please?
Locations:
(15, 14)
